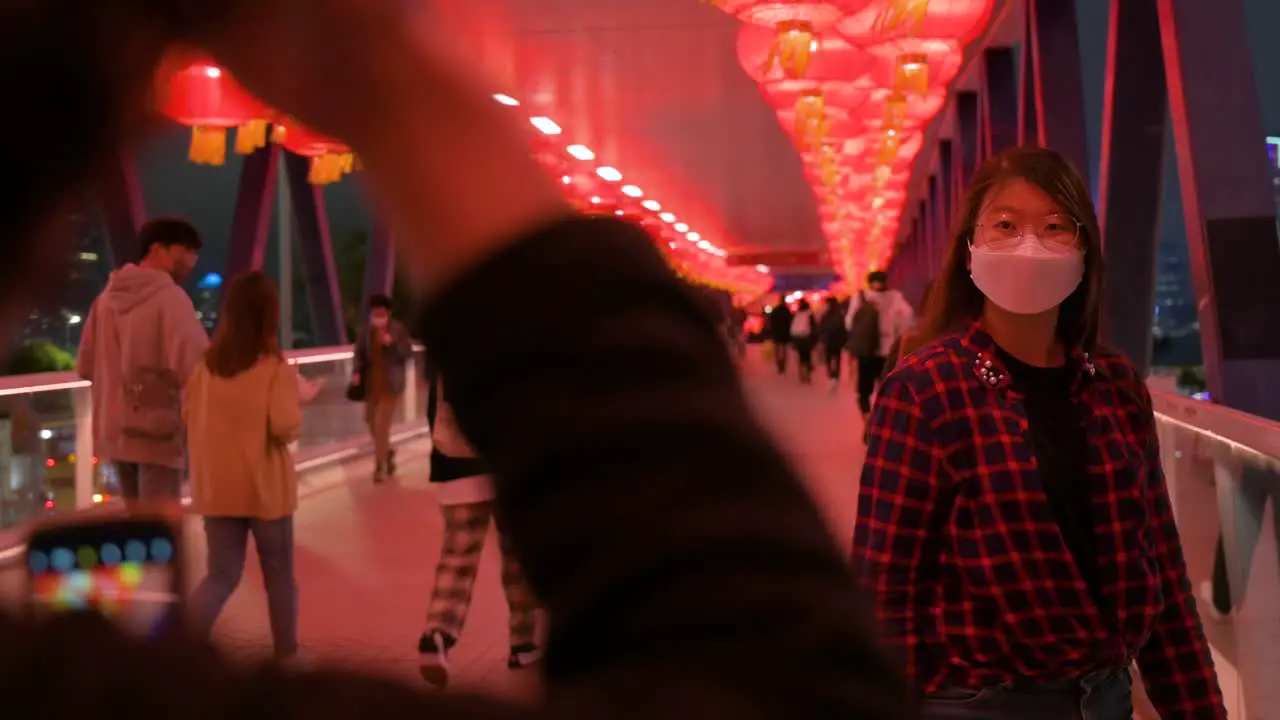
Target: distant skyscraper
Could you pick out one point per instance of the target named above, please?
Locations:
(87, 271)
(1273, 152)
(1175, 311)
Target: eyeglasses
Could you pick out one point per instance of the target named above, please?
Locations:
(1006, 231)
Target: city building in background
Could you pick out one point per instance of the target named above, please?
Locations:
(1273, 152)
(88, 268)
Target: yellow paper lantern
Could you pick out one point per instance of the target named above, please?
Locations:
(911, 74)
(792, 48)
(901, 17)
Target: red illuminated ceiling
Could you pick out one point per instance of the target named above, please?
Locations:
(787, 126)
(654, 88)
(855, 83)
(658, 87)
(195, 92)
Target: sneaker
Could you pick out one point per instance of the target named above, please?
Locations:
(291, 662)
(835, 386)
(433, 658)
(522, 656)
(1206, 602)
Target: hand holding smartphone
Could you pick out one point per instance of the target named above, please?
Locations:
(126, 567)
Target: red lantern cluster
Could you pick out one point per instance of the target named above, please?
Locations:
(855, 82)
(195, 92)
(598, 189)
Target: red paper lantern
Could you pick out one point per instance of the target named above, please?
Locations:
(961, 20)
(821, 14)
(848, 95)
(205, 98)
(331, 159)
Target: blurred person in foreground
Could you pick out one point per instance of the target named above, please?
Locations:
(691, 582)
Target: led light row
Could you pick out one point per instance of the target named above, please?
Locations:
(547, 126)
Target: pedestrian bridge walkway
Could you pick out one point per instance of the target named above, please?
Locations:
(365, 552)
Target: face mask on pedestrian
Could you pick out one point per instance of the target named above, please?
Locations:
(1026, 278)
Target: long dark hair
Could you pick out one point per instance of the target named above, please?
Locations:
(954, 301)
(248, 326)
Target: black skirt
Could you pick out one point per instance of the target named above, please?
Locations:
(446, 467)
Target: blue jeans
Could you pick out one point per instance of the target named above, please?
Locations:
(1102, 695)
(141, 481)
(226, 538)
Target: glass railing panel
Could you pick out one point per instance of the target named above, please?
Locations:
(41, 462)
(1223, 472)
(330, 417)
(47, 463)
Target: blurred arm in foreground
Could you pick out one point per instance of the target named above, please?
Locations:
(686, 570)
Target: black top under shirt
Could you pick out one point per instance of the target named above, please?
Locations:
(1059, 442)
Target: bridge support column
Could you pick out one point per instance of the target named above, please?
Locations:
(380, 263)
(946, 194)
(937, 228)
(1059, 99)
(1129, 177)
(1028, 118)
(917, 256)
(316, 247)
(969, 132)
(923, 240)
(1226, 197)
(119, 197)
(1000, 100)
(248, 245)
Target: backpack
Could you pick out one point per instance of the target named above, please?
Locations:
(803, 326)
(864, 330)
(831, 329)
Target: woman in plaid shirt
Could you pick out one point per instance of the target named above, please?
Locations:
(1013, 518)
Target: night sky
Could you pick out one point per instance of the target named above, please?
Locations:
(206, 195)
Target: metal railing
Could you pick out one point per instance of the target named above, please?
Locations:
(47, 462)
(1222, 467)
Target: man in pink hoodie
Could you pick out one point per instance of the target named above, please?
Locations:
(140, 343)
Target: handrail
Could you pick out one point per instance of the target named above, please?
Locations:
(54, 381)
(80, 420)
(1233, 427)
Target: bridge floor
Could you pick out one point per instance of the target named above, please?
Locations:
(365, 555)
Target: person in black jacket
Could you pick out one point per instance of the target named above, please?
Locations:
(832, 334)
(685, 569)
(779, 320)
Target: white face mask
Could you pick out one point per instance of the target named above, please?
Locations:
(1027, 279)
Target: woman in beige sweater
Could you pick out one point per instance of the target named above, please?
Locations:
(242, 411)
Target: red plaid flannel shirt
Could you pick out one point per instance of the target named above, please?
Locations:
(972, 579)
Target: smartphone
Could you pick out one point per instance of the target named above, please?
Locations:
(126, 567)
